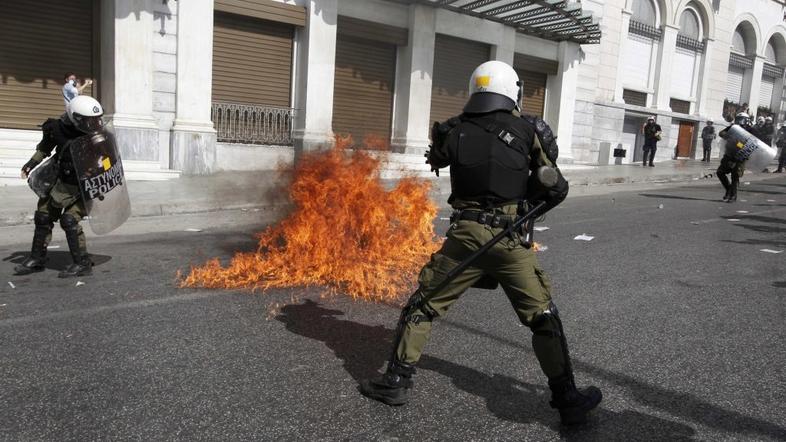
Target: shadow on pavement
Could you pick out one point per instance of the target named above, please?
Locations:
(364, 348)
(57, 260)
(676, 197)
(779, 284)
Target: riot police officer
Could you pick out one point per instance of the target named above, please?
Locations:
(63, 201)
(707, 136)
(652, 134)
(493, 153)
(729, 164)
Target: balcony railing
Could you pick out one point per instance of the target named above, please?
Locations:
(250, 124)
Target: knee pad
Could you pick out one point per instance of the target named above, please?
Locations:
(69, 222)
(417, 302)
(43, 219)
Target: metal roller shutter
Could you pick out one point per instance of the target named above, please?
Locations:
(734, 84)
(454, 61)
(534, 94)
(363, 94)
(766, 91)
(637, 58)
(682, 73)
(252, 60)
(39, 42)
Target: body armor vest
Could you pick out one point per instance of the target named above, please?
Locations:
(57, 133)
(490, 158)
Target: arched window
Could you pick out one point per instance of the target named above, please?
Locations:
(769, 53)
(689, 25)
(738, 42)
(644, 12)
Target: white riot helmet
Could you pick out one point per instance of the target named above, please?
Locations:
(85, 113)
(494, 85)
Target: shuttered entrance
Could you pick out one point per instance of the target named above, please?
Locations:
(533, 98)
(363, 93)
(454, 61)
(734, 84)
(766, 91)
(252, 60)
(39, 42)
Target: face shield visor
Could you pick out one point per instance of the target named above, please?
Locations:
(88, 124)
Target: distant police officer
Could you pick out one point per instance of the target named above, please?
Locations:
(652, 134)
(494, 154)
(730, 165)
(707, 137)
(63, 201)
(781, 144)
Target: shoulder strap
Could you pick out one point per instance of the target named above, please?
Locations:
(507, 135)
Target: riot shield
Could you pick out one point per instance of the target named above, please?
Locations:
(99, 169)
(44, 177)
(744, 146)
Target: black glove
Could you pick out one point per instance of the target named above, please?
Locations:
(428, 161)
(29, 166)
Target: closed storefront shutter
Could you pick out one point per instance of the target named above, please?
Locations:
(734, 84)
(534, 92)
(637, 59)
(454, 61)
(682, 73)
(252, 60)
(766, 91)
(39, 42)
(363, 94)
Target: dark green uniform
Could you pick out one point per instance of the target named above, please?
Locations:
(493, 158)
(64, 202)
(730, 166)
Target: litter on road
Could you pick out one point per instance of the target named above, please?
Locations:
(660, 206)
(695, 223)
(742, 211)
(770, 201)
(52, 247)
(584, 237)
(541, 228)
(771, 251)
(732, 219)
(193, 230)
(11, 284)
(78, 283)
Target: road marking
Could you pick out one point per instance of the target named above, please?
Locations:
(27, 320)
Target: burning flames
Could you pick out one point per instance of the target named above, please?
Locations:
(347, 233)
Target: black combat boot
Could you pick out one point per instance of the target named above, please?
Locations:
(732, 196)
(393, 387)
(727, 194)
(35, 262)
(82, 265)
(573, 404)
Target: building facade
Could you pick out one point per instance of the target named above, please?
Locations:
(202, 86)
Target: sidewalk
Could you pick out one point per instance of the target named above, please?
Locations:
(265, 190)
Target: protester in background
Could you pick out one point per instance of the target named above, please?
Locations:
(707, 136)
(72, 88)
(652, 134)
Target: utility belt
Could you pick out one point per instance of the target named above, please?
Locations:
(486, 218)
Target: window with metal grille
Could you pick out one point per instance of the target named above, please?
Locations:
(635, 98)
(680, 106)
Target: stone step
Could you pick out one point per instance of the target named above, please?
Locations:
(134, 171)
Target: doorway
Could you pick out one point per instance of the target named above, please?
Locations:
(685, 139)
(632, 138)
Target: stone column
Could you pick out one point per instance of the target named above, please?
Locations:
(705, 76)
(413, 83)
(626, 15)
(505, 50)
(752, 85)
(565, 82)
(193, 140)
(127, 73)
(668, 46)
(315, 77)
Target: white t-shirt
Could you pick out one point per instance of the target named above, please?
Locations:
(69, 92)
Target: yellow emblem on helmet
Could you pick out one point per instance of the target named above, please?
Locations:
(740, 145)
(482, 81)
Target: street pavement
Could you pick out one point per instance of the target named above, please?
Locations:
(672, 310)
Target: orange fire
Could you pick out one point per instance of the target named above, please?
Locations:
(347, 233)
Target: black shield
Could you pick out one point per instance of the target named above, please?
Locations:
(101, 181)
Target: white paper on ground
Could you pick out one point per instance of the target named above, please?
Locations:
(78, 283)
(11, 284)
(770, 201)
(193, 230)
(541, 228)
(584, 237)
(742, 211)
(52, 247)
(771, 251)
(732, 219)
